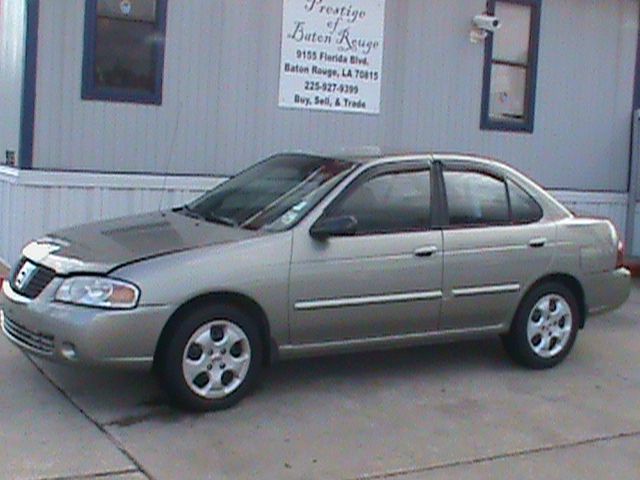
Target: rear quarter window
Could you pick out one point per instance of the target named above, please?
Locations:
(524, 209)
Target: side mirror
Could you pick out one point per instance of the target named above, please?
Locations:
(334, 227)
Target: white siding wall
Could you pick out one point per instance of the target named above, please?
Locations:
(12, 49)
(31, 206)
(221, 91)
(34, 203)
(598, 204)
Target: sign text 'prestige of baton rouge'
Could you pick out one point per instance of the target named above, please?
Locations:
(332, 55)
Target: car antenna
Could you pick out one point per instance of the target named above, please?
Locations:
(170, 156)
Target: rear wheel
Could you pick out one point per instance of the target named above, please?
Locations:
(212, 358)
(545, 327)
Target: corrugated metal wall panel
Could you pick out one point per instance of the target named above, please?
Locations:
(66, 205)
(607, 205)
(221, 93)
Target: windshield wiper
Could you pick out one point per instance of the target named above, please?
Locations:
(208, 217)
(212, 217)
(189, 212)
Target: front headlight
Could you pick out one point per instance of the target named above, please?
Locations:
(98, 292)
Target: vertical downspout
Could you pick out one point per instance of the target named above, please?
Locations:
(28, 107)
(634, 157)
(633, 183)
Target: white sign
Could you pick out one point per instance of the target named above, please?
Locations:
(331, 55)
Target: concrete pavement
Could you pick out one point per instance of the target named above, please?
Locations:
(42, 434)
(450, 411)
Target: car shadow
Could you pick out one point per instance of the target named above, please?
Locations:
(382, 364)
(123, 399)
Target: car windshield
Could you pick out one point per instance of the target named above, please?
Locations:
(272, 195)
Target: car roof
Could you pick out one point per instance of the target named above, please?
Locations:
(371, 156)
(366, 155)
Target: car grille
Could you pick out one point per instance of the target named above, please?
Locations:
(39, 280)
(37, 341)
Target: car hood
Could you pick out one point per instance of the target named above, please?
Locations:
(103, 246)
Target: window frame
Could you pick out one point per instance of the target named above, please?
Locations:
(377, 171)
(505, 179)
(90, 91)
(527, 125)
(479, 171)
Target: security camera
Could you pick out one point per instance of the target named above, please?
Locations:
(488, 23)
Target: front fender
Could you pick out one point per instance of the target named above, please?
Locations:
(257, 268)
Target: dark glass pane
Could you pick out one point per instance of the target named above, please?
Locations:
(274, 194)
(524, 209)
(128, 9)
(125, 54)
(394, 202)
(476, 199)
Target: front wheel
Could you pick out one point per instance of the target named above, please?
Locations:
(212, 359)
(545, 327)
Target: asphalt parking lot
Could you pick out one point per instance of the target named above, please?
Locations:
(450, 411)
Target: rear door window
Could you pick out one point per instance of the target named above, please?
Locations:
(475, 199)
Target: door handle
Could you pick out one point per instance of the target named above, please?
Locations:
(425, 251)
(537, 242)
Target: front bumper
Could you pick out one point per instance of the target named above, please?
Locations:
(607, 291)
(80, 335)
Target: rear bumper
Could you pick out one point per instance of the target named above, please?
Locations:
(607, 291)
(82, 336)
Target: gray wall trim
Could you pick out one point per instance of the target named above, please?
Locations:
(28, 108)
(472, 291)
(369, 300)
(632, 184)
(632, 196)
(636, 82)
(84, 180)
(216, 174)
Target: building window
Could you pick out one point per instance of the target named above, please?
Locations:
(124, 50)
(510, 69)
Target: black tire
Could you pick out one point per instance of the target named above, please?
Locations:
(170, 358)
(516, 342)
